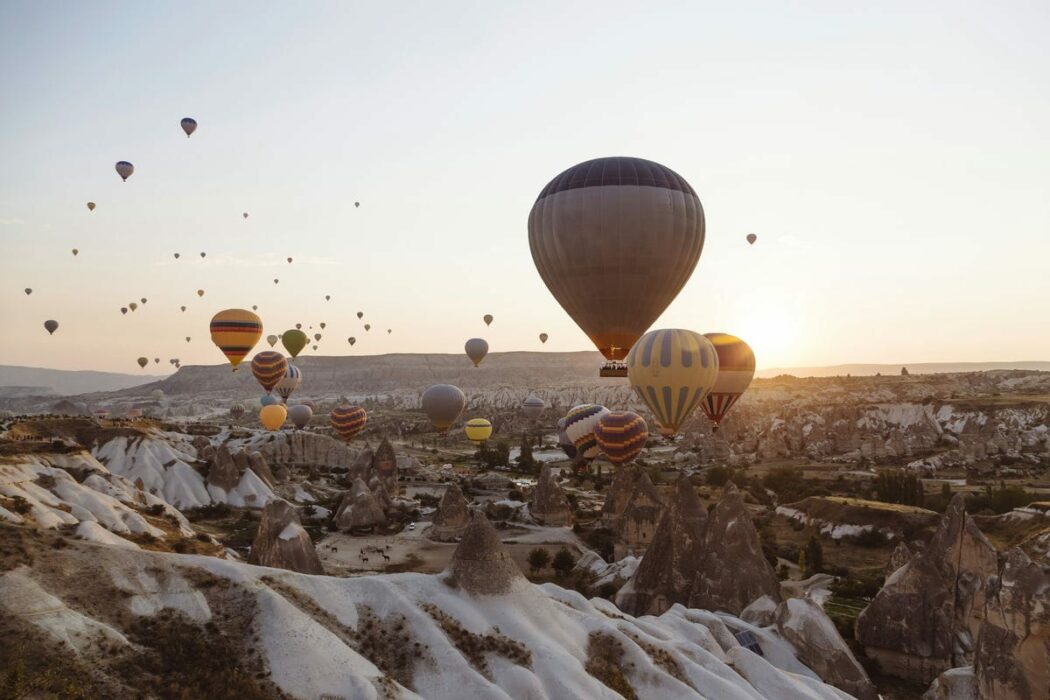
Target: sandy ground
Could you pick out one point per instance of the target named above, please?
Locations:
(341, 553)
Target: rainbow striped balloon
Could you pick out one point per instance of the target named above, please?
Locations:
(269, 367)
(235, 332)
(348, 421)
(621, 435)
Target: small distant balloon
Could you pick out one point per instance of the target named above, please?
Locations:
(300, 415)
(187, 339)
(327, 297)
(200, 292)
(317, 336)
(183, 308)
(275, 280)
(487, 318)
(28, 291)
(351, 340)
(143, 300)
(368, 326)
(543, 337)
(91, 206)
(751, 238)
(289, 261)
(272, 340)
(124, 169)
(314, 347)
(476, 349)
(360, 314)
(124, 310)
(51, 326)
(156, 360)
(133, 306)
(143, 362)
(298, 326)
(189, 125)
(177, 256)
(76, 252)
(357, 204)
(245, 215)
(254, 307)
(203, 254)
(322, 324)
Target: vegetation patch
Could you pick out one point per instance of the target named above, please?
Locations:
(475, 646)
(661, 657)
(605, 662)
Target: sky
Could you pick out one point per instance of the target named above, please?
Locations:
(893, 159)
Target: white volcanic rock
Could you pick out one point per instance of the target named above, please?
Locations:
(281, 542)
(549, 504)
(157, 467)
(299, 448)
(481, 565)
(359, 508)
(452, 516)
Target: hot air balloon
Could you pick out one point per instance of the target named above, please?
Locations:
(124, 310)
(236, 410)
(317, 336)
(289, 261)
(443, 403)
(200, 292)
(672, 370)
(532, 407)
(360, 315)
(476, 349)
(268, 400)
(300, 415)
(28, 291)
(294, 341)
(91, 206)
(143, 300)
(273, 417)
(615, 240)
(143, 362)
(298, 326)
(314, 347)
(621, 435)
(235, 332)
(203, 254)
(272, 340)
(124, 169)
(156, 360)
(487, 318)
(269, 367)
(76, 252)
(51, 327)
(564, 442)
(254, 307)
(275, 280)
(351, 340)
(751, 238)
(368, 327)
(348, 421)
(176, 256)
(245, 215)
(357, 204)
(580, 423)
(478, 430)
(133, 305)
(291, 380)
(187, 339)
(543, 337)
(183, 309)
(322, 325)
(736, 368)
(189, 125)
(327, 297)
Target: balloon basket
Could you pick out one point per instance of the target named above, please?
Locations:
(613, 369)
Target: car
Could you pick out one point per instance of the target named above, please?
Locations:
(411, 526)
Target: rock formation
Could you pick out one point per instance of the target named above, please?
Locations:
(481, 565)
(637, 524)
(901, 556)
(668, 570)
(300, 448)
(927, 616)
(281, 541)
(378, 489)
(257, 463)
(359, 509)
(619, 493)
(224, 472)
(734, 571)
(452, 516)
(820, 646)
(384, 466)
(1012, 660)
(549, 504)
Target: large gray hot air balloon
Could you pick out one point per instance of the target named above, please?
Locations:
(189, 125)
(124, 169)
(476, 349)
(300, 415)
(51, 326)
(532, 407)
(443, 404)
(615, 240)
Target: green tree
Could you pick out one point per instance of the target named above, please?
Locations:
(814, 555)
(539, 558)
(563, 562)
(899, 486)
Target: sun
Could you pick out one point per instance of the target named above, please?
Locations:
(773, 329)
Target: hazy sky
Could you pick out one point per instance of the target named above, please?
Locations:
(894, 161)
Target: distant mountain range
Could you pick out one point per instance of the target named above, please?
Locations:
(22, 381)
(403, 371)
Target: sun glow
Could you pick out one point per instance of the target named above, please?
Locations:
(773, 328)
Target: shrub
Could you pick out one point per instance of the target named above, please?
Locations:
(717, 476)
(539, 558)
(563, 562)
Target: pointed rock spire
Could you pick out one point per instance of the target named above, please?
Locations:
(549, 505)
(281, 541)
(359, 508)
(452, 516)
(481, 565)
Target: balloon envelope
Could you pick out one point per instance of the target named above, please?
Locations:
(478, 430)
(487, 318)
(443, 404)
(91, 206)
(269, 367)
(272, 340)
(736, 369)
(580, 423)
(189, 125)
(235, 332)
(615, 240)
(294, 341)
(268, 400)
(564, 442)
(291, 380)
(476, 349)
(532, 407)
(273, 416)
(51, 327)
(672, 370)
(143, 361)
(751, 238)
(543, 337)
(621, 435)
(351, 340)
(124, 169)
(300, 415)
(348, 421)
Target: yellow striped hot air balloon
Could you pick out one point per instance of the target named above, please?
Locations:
(269, 367)
(672, 370)
(348, 421)
(235, 332)
(736, 369)
(478, 430)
